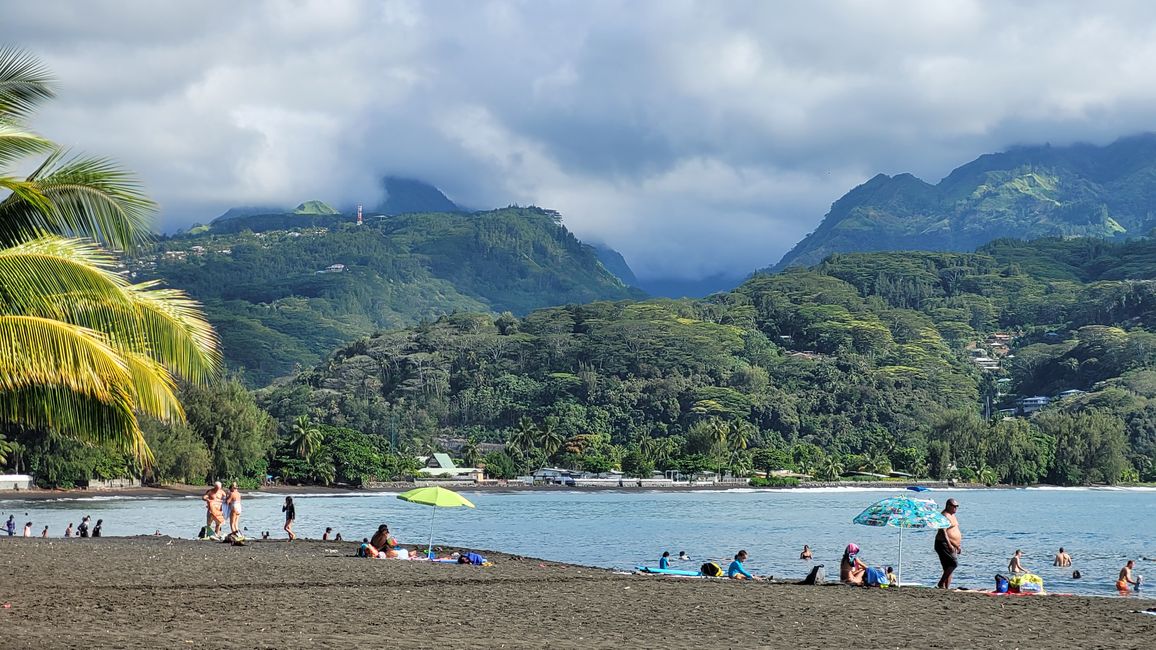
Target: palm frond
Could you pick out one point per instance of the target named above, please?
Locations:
(24, 83)
(17, 143)
(60, 410)
(42, 351)
(88, 197)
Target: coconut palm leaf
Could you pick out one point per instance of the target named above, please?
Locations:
(89, 197)
(24, 83)
(17, 143)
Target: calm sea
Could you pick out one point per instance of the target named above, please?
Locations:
(1101, 528)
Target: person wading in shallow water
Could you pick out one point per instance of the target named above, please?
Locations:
(949, 544)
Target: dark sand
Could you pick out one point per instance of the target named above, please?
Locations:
(163, 593)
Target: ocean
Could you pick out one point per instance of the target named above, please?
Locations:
(1100, 527)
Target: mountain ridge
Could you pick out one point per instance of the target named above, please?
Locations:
(1025, 192)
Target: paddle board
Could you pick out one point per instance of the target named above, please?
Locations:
(666, 572)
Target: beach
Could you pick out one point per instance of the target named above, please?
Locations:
(150, 592)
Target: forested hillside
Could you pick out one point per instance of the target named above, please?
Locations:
(859, 363)
(285, 288)
(1026, 193)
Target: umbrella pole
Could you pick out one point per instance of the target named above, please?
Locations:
(899, 573)
(429, 551)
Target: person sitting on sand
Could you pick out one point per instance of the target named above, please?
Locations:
(737, 571)
(851, 569)
(68, 531)
(1062, 559)
(683, 557)
(290, 514)
(383, 541)
(234, 503)
(325, 535)
(664, 561)
(806, 554)
(96, 530)
(337, 538)
(892, 580)
(1126, 579)
(214, 499)
(1015, 566)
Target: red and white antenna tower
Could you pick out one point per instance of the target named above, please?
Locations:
(359, 214)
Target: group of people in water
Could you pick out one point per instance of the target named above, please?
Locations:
(85, 529)
(948, 546)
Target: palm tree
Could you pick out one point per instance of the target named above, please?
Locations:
(305, 437)
(550, 439)
(719, 429)
(522, 437)
(7, 447)
(470, 453)
(831, 469)
(82, 350)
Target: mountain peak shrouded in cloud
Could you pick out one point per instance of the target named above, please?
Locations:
(1025, 192)
(406, 195)
(699, 138)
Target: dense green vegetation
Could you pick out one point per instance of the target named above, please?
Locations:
(860, 364)
(856, 365)
(270, 288)
(1026, 192)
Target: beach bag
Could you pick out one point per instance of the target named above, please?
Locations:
(711, 570)
(206, 532)
(1001, 584)
(1027, 583)
(875, 577)
(817, 576)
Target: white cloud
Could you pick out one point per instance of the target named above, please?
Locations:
(695, 136)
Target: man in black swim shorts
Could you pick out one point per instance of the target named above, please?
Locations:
(949, 544)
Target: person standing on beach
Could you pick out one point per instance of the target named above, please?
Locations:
(68, 531)
(234, 503)
(11, 525)
(290, 514)
(28, 529)
(82, 529)
(949, 544)
(214, 499)
(96, 528)
(44, 533)
(1062, 559)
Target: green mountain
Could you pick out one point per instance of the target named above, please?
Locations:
(315, 207)
(864, 362)
(285, 288)
(1023, 193)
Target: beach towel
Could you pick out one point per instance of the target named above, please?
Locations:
(817, 576)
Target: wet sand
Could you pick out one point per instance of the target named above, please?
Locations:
(165, 593)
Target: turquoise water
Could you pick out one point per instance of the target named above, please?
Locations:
(1101, 528)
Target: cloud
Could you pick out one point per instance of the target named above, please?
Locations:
(696, 137)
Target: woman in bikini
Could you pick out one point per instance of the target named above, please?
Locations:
(234, 502)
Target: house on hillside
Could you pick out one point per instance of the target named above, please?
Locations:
(1033, 404)
(1071, 392)
(442, 466)
(333, 268)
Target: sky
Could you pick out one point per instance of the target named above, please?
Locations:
(697, 138)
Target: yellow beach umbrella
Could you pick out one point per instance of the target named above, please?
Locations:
(438, 497)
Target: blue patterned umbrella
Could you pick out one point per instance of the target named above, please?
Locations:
(902, 513)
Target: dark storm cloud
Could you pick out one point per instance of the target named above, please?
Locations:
(696, 137)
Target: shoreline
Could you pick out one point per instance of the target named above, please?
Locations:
(164, 592)
(177, 491)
